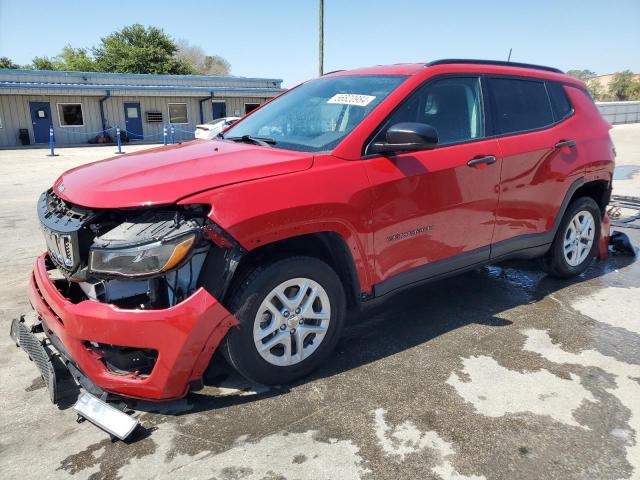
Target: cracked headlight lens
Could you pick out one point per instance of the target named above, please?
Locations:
(140, 260)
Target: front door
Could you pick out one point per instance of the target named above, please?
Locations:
(133, 121)
(434, 210)
(219, 109)
(41, 120)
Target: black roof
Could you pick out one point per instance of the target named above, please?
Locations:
(446, 61)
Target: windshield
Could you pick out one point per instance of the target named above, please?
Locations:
(317, 115)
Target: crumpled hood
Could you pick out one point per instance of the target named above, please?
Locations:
(166, 174)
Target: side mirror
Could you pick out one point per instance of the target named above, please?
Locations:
(407, 137)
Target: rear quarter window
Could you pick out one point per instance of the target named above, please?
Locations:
(559, 101)
(519, 105)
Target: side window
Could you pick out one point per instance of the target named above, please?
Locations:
(453, 106)
(559, 101)
(519, 105)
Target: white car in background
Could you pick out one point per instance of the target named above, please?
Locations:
(210, 129)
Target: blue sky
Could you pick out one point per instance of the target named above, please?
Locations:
(279, 39)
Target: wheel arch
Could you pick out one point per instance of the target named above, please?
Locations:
(598, 190)
(328, 246)
(225, 269)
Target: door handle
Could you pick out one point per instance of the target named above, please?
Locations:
(565, 143)
(488, 160)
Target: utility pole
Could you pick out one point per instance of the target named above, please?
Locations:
(321, 40)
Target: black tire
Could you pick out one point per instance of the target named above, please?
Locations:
(554, 262)
(239, 347)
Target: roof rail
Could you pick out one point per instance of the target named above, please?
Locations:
(446, 61)
(332, 71)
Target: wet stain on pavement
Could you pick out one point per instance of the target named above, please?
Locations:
(108, 456)
(37, 384)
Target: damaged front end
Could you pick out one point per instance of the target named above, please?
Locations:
(130, 258)
(123, 300)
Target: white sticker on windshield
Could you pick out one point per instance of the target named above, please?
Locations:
(351, 99)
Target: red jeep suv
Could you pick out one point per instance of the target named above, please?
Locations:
(344, 189)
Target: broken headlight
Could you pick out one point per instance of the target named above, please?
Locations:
(147, 259)
(147, 244)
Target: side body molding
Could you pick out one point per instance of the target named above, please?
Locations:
(522, 246)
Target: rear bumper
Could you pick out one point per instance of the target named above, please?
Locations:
(185, 336)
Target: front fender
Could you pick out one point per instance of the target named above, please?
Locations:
(333, 196)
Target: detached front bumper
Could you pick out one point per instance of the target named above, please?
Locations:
(185, 337)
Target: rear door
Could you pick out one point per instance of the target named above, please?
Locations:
(535, 173)
(41, 121)
(133, 120)
(434, 210)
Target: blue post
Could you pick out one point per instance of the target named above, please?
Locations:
(164, 134)
(118, 140)
(173, 134)
(52, 143)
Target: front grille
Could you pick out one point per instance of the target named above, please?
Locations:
(62, 223)
(60, 248)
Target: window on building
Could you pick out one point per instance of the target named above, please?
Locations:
(178, 113)
(70, 115)
(519, 105)
(219, 109)
(250, 107)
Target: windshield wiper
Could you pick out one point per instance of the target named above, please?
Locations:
(262, 141)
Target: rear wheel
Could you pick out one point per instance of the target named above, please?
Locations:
(291, 315)
(575, 244)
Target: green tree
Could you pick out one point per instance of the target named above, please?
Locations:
(45, 63)
(620, 86)
(596, 90)
(5, 62)
(76, 60)
(634, 91)
(583, 75)
(136, 49)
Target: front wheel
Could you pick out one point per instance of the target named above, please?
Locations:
(576, 242)
(291, 315)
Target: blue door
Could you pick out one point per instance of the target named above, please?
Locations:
(133, 121)
(219, 109)
(41, 120)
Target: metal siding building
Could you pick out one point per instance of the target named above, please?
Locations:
(80, 105)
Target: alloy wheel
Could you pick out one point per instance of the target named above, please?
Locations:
(578, 238)
(292, 322)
